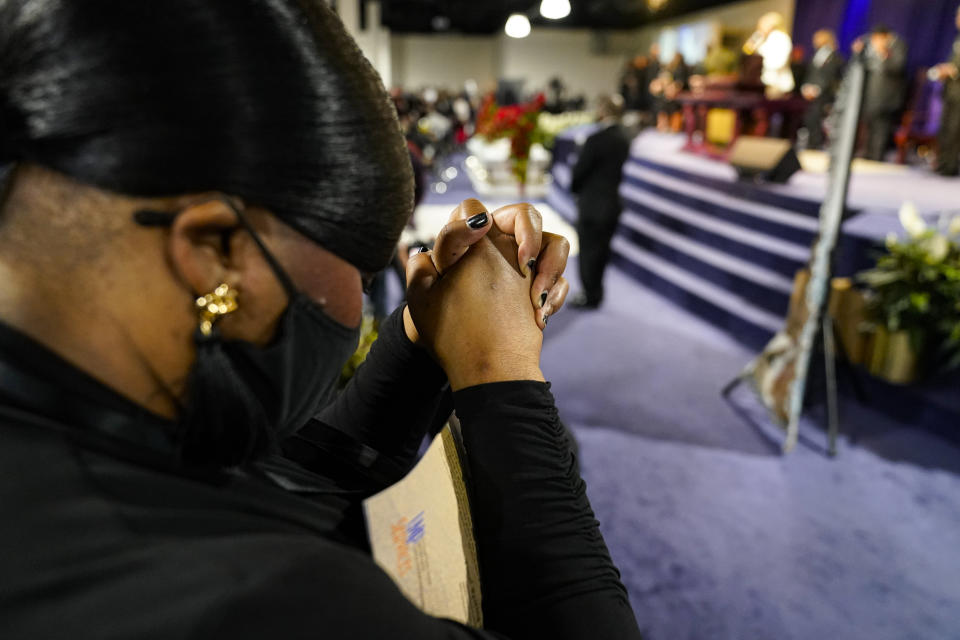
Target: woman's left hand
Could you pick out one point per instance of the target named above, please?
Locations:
(543, 254)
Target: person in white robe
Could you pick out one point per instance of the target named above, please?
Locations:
(772, 43)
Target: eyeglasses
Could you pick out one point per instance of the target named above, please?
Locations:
(154, 218)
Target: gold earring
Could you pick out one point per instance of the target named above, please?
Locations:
(215, 305)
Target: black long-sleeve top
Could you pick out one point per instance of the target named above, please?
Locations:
(104, 535)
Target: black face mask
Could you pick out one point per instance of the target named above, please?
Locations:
(296, 374)
(242, 399)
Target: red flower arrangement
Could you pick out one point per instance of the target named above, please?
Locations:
(518, 123)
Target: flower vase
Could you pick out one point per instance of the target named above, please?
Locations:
(892, 357)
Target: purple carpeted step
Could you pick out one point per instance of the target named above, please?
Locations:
(747, 322)
(761, 286)
(720, 259)
(563, 203)
(728, 182)
(756, 246)
(562, 174)
(776, 221)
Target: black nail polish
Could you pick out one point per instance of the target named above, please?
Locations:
(545, 320)
(543, 299)
(478, 221)
(531, 264)
(422, 249)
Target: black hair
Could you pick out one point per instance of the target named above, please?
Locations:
(268, 100)
(880, 30)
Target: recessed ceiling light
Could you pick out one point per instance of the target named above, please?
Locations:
(555, 9)
(518, 26)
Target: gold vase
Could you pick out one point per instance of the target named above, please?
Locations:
(892, 357)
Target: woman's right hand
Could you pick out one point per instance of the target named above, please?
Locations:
(475, 316)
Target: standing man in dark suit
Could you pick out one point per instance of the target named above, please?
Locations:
(948, 154)
(820, 84)
(885, 57)
(651, 73)
(633, 85)
(596, 180)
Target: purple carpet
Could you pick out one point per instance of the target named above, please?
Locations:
(717, 535)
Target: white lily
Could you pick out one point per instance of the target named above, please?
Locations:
(954, 228)
(911, 220)
(937, 247)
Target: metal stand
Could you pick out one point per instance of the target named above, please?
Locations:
(813, 317)
(830, 374)
(832, 398)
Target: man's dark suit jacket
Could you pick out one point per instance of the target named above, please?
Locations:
(596, 176)
(951, 87)
(827, 75)
(886, 79)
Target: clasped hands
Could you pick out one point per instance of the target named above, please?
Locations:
(480, 299)
(810, 91)
(946, 71)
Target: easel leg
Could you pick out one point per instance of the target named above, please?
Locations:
(730, 386)
(830, 371)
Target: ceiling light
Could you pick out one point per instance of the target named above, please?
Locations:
(518, 26)
(555, 9)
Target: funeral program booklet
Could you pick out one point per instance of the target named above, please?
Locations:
(421, 534)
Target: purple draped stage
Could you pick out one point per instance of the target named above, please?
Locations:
(928, 27)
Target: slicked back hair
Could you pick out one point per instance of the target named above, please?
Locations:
(268, 100)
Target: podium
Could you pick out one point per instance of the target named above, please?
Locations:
(752, 112)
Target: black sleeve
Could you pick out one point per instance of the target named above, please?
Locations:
(335, 595)
(815, 75)
(545, 568)
(834, 73)
(380, 418)
(585, 162)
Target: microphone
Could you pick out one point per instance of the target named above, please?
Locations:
(753, 43)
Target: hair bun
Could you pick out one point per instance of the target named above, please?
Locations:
(6, 148)
(3, 140)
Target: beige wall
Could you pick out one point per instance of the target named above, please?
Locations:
(587, 62)
(374, 42)
(443, 61)
(440, 60)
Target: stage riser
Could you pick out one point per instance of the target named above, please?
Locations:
(911, 406)
(782, 265)
(740, 329)
(738, 243)
(726, 214)
(743, 190)
(773, 301)
(564, 204)
(656, 244)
